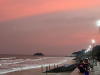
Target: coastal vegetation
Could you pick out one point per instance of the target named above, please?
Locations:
(38, 54)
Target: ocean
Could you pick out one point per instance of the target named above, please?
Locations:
(12, 63)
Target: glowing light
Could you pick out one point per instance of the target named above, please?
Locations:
(98, 22)
(90, 46)
(14, 27)
(93, 41)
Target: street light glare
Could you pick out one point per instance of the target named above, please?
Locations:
(93, 41)
(98, 22)
(90, 46)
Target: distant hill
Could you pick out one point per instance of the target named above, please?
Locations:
(38, 54)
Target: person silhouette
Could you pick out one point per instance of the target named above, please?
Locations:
(81, 67)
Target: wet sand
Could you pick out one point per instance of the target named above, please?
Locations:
(39, 72)
(34, 72)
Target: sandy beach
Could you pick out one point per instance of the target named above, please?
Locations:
(39, 72)
(34, 72)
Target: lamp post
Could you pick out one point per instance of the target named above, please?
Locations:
(90, 46)
(98, 23)
(85, 52)
(88, 49)
(93, 41)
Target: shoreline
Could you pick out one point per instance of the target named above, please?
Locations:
(38, 71)
(60, 69)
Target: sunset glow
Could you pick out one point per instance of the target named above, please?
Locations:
(54, 27)
(12, 9)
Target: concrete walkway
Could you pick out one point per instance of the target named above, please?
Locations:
(96, 71)
(76, 72)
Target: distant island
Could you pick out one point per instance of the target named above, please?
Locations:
(38, 54)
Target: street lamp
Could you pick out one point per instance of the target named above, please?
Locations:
(98, 24)
(90, 46)
(93, 41)
(88, 49)
(85, 52)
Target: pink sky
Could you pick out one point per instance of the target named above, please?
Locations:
(53, 27)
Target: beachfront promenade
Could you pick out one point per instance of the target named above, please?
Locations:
(76, 72)
(96, 69)
(95, 72)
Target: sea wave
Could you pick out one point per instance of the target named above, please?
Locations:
(24, 64)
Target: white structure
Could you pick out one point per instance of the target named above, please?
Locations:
(73, 55)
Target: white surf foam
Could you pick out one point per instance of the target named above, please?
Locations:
(24, 64)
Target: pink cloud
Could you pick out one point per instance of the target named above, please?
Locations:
(12, 9)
